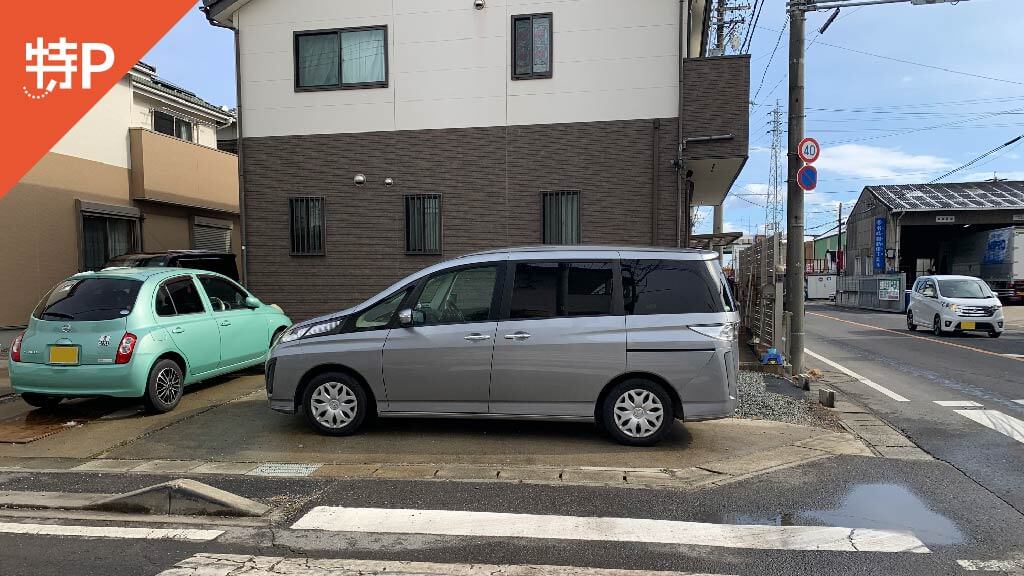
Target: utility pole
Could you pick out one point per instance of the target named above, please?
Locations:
(720, 9)
(795, 196)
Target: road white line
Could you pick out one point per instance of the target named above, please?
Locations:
(862, 379)
(958, 403)
(1019, 401)
(503, 525)
(997, 421)
(116, 532)
(236, 565)
(1007, 566)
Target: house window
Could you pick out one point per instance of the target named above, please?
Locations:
(423, 224)
(561, 217)
(531, 46)
(165, 123)
(307, 225)
(104, 238)
(337, 59)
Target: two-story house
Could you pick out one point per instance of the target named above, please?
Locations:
(378, 137)
(139, 172)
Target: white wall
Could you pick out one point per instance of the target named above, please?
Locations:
(449, 65)
(102, 134)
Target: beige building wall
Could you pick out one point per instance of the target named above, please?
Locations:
(39, 227)
(94, 137)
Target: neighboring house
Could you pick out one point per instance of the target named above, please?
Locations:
(377, 138)
(139, 172)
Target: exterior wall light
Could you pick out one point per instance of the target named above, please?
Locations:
(479, 4)
(360, 179)
(389, 181)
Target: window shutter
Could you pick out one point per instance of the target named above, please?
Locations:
(213, 235)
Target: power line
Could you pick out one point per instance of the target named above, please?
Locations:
(986, 154)
(769, 64)
(910, 62)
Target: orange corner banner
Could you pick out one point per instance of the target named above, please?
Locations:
(58, 58)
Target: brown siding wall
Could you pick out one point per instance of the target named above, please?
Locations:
(491, 180)
(716, 101)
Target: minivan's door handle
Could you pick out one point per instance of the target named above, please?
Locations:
(225, 322)
(177, 330)
(476, 337)
(517, 336)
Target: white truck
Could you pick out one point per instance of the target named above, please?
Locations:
(995, 256)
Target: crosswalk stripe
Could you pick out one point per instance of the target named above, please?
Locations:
(858, 377)
(1005, 566)
(1019, 401)
(110, 532)
(997, 421)
(236, 565)
(504, 525)
(958, 403)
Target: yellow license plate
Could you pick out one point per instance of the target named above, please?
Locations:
(63, 354)
(968, 325)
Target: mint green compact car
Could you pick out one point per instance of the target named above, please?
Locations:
(139, 333)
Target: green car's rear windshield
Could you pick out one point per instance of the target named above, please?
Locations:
(89, 299)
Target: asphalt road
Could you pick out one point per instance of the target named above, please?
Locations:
(984, 376)
(929, 498)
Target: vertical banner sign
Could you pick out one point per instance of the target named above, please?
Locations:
(880, 244)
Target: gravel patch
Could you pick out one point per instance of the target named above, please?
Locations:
(765, 397)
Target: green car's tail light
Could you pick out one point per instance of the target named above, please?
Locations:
(126, 348)
(16, 347)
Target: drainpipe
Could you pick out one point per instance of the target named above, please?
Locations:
(238, 128)
(684, 10)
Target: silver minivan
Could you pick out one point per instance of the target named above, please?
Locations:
(947, 303)
(632, 338)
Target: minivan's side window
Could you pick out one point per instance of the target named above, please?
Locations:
(553, 289)
(670, 287)
(458, 296)
(380, 315)
(178, 296)
(223, 295)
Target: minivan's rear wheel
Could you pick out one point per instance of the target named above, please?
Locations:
(164, 387)
(335, 404)
(637, 412)
(44, 401)
(910, 321)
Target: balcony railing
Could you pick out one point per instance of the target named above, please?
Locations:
(173, 171)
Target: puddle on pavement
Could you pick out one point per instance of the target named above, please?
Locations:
(881, 506)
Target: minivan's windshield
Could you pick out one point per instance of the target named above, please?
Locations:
(89, 299)
(964, 288)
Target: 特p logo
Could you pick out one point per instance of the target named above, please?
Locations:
(55, 64)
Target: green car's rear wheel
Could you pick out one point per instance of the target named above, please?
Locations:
(164, 387)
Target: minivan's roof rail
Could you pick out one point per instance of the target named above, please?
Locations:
(588, 248)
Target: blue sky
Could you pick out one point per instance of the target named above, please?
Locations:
(877, 119)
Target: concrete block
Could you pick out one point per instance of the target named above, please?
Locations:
(224, 468)
(844, 444)
(167, 466)
(398, 472)
(530, 474)
(183, 497)
(826, 397)
(467, 473)
(903, 452)
(107, 466)
(584, 476)
(762, 460)
(346, 471)
(651, 478)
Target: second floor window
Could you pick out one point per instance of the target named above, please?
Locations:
(165, 123)
(346, 58)
(531, 46)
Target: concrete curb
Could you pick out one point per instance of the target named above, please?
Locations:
(180, 497)
(707, 474)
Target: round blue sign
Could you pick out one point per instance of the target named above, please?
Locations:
(807, 178)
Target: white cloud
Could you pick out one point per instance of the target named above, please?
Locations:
(874, 162)
(759, 149)
(907, 79)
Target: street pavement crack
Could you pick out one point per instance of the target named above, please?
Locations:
(850, 538)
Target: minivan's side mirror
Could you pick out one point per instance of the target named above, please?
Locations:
(410, 317)
(253, 302)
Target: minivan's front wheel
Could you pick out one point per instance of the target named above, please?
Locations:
(335, 404)
(911, 325)
(937, 326)
(637, 412)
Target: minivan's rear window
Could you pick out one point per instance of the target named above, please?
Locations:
(89, 299)
(672, 287)
(554, 289)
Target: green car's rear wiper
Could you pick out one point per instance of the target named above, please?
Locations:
(59, 315)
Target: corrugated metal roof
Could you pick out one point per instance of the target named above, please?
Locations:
(953, 196)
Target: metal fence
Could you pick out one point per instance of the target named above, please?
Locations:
(760, 290)
(878, 292)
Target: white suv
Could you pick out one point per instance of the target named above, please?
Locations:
(954, 304)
